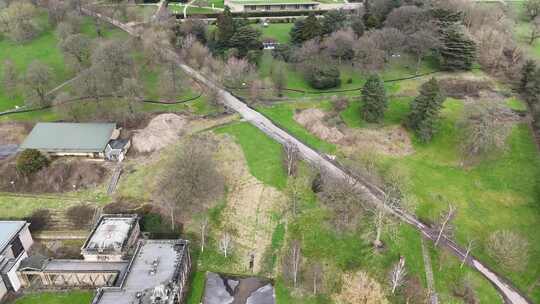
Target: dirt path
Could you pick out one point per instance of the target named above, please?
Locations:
(371, 192)
(250, 205)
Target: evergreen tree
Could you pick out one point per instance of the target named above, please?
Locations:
(245, 39)
(527, 77)
(370, 20)
(374, 99)
(425, 110)
(306, 29)
(458, 51)
(225, 28)
(333, 20)
(357, 25)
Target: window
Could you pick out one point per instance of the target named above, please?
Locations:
(17, 247)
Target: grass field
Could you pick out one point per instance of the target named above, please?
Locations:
(72, 297)
(277, 31)
(264, 158)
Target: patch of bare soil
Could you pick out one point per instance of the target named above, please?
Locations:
(394, 141)
(13, 132)
(162, 131)
(313, 120)
(250, 204)
(62, 175)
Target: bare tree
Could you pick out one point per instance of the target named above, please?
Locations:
(408, 18)
(132, 94)
(203, 225)
(397, 274)
(171, 82)
(279, 77)
(296, 259)
(389, 40)
(38, 80)
(360, 288)
(225, 243)
(314, 274)
(368, 55)
(467, 253)
(291, 156)
(340, 45)
(112, 63)
(77, 48)
(17, 21)
(238, 73)
(190, 180)
(343, 199)
(509, 249)
(10, 78)
(297, 190)
(445, 222)
(421, 43)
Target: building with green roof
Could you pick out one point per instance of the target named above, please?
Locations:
(74, 139)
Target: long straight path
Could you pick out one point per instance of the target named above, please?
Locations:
(372, 193)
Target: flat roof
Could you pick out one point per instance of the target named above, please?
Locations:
(154, 264)
(110, 234)
(69, 137)
(82, 265)
(8, 229)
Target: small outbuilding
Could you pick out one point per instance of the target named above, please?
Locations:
(93, 140)
(15, 242)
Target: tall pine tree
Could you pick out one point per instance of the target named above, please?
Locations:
(425, 110)
(306, 29)
(374, 99)
(225, 28)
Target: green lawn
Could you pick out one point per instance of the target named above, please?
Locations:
(192, 9)
(45, 49)
(196, 288)
(351, 78)
(71, 297)
(396, 112)
(489, 196)
(263, 158)
(277, 31)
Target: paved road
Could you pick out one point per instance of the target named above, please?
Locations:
(372, 193)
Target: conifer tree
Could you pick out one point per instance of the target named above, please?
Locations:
(425, 110)
(225, 27)
(374, 99)
(312, 28)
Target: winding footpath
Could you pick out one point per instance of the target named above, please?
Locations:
(369, 191)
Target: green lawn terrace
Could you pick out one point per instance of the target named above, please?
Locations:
(196, 8)
(71, 297)
(45, 49)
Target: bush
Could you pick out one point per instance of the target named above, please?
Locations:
(509, 249)
(323, 77)
(39, 220)
(80, 215)
(31, 161)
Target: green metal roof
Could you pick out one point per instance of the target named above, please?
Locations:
(69, 137)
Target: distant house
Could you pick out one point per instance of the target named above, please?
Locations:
(93, 140)
(271, 5)
(15, 241)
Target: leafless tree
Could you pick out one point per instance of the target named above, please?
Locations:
(10, 78)
(190, 181)
(112, 63)
(340, 45)
(156, 42)
(445, 222)
(389, 40)
(345, 202)
(171, 82)
(367, 54)
(17, 21)
(77, 47)
(382, 217)
(57, 11)
(314, 274)
(279, 77)
(470, 245)
(132, 94)
(296, 259)
(238, 73)
(298, 187)
(397, 274)
(291, 156)
(421, 43)
(203, 225)
(408, 18)
(38, 80)
(361, 288)
(509, 249)
(225, 243)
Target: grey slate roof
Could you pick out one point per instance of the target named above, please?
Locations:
(8, 229)
(69, 137)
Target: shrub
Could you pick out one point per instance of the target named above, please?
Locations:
(80, 215)
(509, 249)
(323, 77)
(31, 161)
(39, 220)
